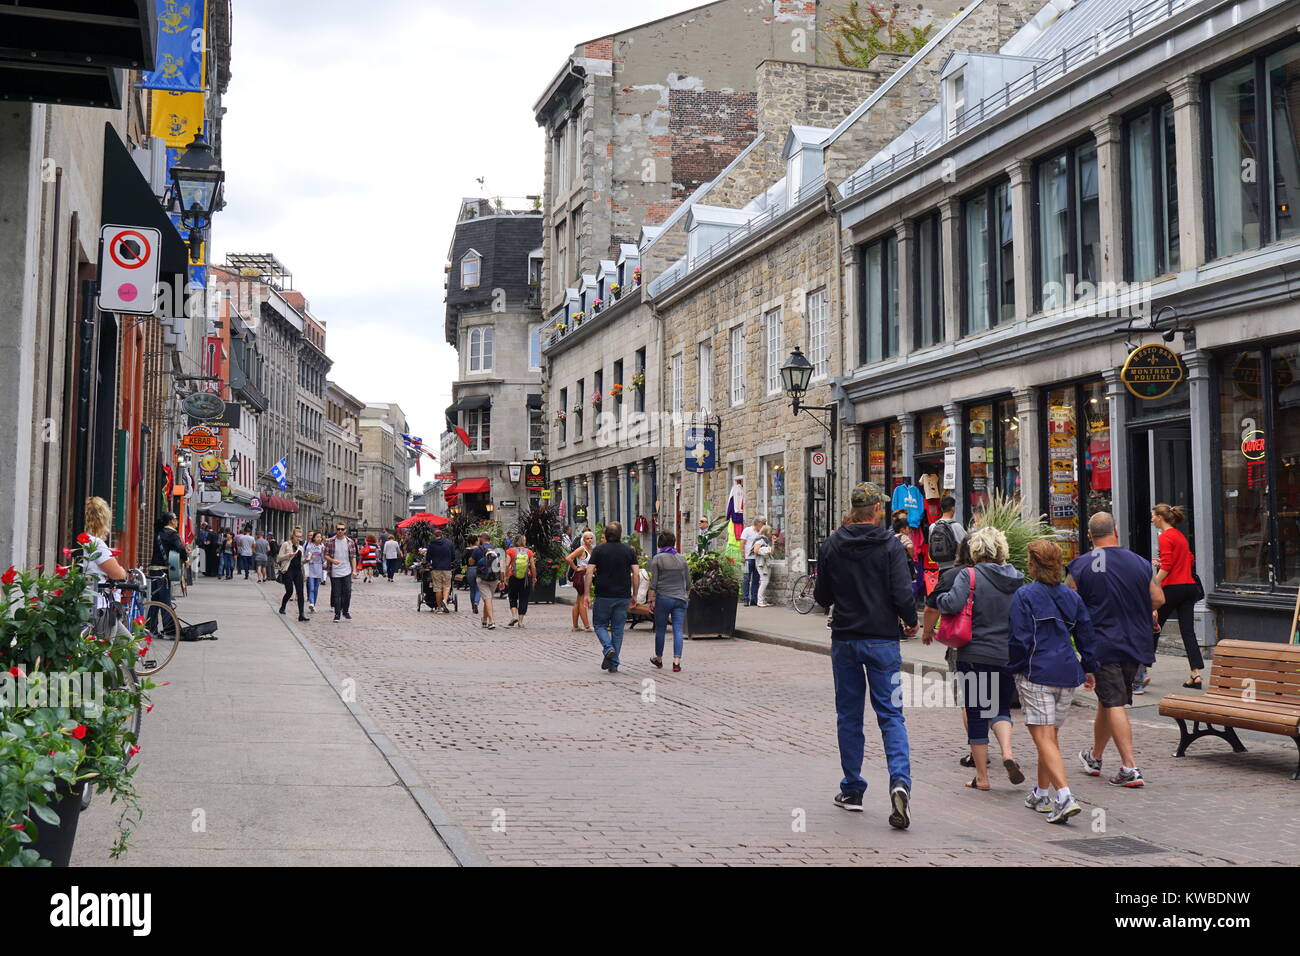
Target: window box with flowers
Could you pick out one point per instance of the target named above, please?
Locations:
(614, 289)
(597, 306)
(560, 418)
(638, 381)
(616, 390)
(577, 318)
(636, 277)
(596, 400)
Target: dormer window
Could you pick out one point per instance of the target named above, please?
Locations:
(470, 268)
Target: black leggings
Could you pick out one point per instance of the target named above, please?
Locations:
(1180, 600)
(518, 589)
(292, 582)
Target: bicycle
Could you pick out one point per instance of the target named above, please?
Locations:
(801, 592)
(161, 622)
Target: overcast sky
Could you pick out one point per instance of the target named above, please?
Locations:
(353, 130)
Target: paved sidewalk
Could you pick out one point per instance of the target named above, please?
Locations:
(250, 758)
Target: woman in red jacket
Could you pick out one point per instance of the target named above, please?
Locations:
(1181, 591)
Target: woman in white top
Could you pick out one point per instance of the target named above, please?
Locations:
(762, 551)
(100, 565)
(314, 553)
(578, 559)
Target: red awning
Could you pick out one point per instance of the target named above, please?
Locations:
(276, 503)
(470, 486)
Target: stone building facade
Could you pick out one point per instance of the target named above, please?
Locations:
(342, 465)
(384, 469)
(310, 447)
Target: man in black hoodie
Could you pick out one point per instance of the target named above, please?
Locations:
(863, 575)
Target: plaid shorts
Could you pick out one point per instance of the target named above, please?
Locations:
(1044, 705)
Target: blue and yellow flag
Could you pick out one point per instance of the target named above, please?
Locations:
(176, 116)
(178, 64)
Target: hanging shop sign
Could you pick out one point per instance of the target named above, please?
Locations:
(535, 479)
(228, 417)
(200, 438)
(209, 468)
(1152, 371)
(701, 450)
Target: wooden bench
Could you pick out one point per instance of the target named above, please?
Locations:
(1253, 685)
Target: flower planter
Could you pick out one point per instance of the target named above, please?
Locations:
(55, 843)
(713, 616)
(542, 593)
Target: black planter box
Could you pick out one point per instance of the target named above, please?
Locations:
(542, 593)
(55, 843)
(711, 616)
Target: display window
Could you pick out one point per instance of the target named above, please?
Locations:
(992, 452)
(1078, 460)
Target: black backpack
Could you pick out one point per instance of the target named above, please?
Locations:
(943, 542)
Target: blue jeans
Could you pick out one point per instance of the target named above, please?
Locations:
(874, 664)
(751, 581)
(471, 575)
(313, 590)
(986, 692)
(666, 609)
(226, 566)
(608, 615)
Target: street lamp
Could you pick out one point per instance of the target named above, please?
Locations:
(196, 187)
(796, 373)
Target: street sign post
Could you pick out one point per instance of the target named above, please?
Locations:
(128, 268)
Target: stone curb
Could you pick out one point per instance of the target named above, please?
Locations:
(453, 836)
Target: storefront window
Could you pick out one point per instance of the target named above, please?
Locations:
(1078, 474)
(933, 435)
(1097, 448)
(884, 464)
(981, 454)
(1260, 441)
(1009, 422)
(773, 471)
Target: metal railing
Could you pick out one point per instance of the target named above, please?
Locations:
(761, 223)
(1106, 38)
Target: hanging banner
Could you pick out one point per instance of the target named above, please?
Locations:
(176, 116)
(178, 65)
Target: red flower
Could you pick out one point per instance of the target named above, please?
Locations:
(9, 576)
(15, 672)
(149, 708)
(67, 552)
(57, 592)
(116, 552)
(133, 751)
(79, 731)
(139, 622)
(52, 753)
(61, 570)
(19, 826)
(144, 651)
(83, 538)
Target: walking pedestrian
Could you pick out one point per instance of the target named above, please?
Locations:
(229, 550)
(670, 586)
(314, 554)
(1048, 624)
(488, 568)
(244, 546)
(1122, 596)
(945, 534)
(931, 623)
(392, 556)
(577, 561)
(479, 547)
(289, 560)
(521, 574)
(209, 541)
(986, 684)
(340, 556)
(1178, 581)
(441, 558)
(750, 582)
(261, 556)
(613, 574)
(862, 575)
(369, 558)
(762, 551)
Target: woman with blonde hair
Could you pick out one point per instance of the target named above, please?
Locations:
(578, 560)
(987, 687)
(290, 562)
(98, 559)
(762, 552)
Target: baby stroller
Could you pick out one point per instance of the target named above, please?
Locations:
(426, 595)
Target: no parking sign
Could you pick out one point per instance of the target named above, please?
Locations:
(128, 268)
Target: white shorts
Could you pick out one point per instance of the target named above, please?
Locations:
(1043, 705)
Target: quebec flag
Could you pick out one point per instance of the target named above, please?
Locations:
(280, 471)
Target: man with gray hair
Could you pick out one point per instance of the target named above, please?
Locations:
(863, 575)
(1121, 595)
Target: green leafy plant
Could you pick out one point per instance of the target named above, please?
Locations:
(864, 31)
(1003, 512)
(542, 527)
(704, 539)
(46, 741)
(713, 575)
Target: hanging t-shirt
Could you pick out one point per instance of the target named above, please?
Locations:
(929, 486)
(908, 498)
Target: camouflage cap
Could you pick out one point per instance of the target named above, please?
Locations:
(867, 494)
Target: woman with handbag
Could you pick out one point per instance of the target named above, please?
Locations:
(578, 560)
(314, 554)
(1049, 622)
(976, 612)
(1181, 588)
(289, 560)
(762, 551)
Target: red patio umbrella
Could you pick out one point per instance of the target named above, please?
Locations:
(436, 520)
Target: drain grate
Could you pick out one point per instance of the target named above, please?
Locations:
(1109, 846)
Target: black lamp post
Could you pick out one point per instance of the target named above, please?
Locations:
(795, 376)
(196, 187)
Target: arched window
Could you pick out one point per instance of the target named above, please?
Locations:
(470, 267)
(480, 348)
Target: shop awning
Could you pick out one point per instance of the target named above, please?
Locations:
(229, 509)
(276, 503)
(470, 486)
(470, 403)
(535, 401)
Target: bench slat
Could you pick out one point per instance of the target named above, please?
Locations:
(1259, 650)
(1230, 707)
(1263, 723)
(1277, 677)
(1231, 686)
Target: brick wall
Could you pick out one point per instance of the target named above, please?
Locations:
(707, 128)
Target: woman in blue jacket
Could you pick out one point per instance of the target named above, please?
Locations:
(1045, 615)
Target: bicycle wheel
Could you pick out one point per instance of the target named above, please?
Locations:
(801, 594)
(165, 629)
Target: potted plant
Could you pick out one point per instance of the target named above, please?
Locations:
(638, 380)
(715, 585)
(577, 319)
(595, 400)
(542, 527)
(636, 276)
(613, 290)
(52, 743)
(595, 306)
(560, 418)
(616, 390)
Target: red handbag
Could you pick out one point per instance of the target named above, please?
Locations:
(955, 629)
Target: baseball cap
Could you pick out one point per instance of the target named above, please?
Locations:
(866, 494)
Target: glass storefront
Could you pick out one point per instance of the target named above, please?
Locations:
(1078, 466)
(992, 452)
(773, 471)
(884, 464)
(933, 435)
(1259, 444)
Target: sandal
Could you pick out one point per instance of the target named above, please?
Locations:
(1014, 773)
(1193, 683)
(974, 785)
(967, 760)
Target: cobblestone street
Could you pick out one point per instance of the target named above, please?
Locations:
(544, 759)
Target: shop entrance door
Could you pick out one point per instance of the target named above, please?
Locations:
(1162, 472)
